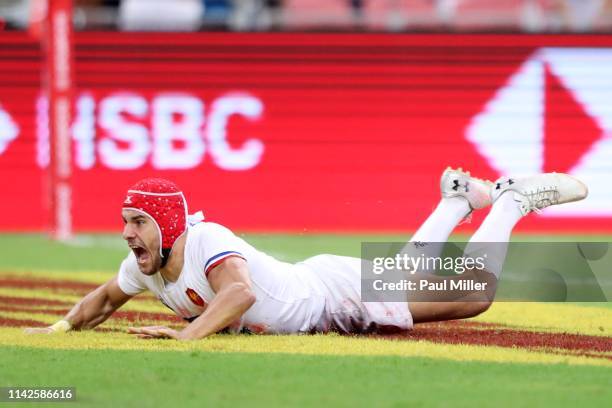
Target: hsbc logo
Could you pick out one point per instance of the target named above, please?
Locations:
(554, 114)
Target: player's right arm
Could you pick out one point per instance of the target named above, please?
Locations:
(93, 309)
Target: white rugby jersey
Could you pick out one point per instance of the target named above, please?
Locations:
(289, 298)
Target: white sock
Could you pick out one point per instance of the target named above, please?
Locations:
(502, 218)
(493, 235)
(444, 219)
(434, 232)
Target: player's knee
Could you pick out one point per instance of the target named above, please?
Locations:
(479, 307)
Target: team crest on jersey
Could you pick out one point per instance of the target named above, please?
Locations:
(194, 297)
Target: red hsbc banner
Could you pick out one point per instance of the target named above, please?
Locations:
(310, 132)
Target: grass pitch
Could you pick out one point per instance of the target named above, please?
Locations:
(515, 354)
(161, 378)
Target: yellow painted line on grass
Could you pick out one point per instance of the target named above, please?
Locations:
(551, 317)
(544, 317)
(112, 323)
(40, 317)
(147, 305)
(31, 308)
(78, 276)
(295, 344)
(39, 294)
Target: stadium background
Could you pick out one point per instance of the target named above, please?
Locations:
(310, 132)
(305, 126)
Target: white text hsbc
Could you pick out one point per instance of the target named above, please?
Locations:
(135, 131)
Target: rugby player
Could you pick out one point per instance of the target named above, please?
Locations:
(217, 281)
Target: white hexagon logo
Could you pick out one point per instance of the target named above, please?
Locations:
(554, 114)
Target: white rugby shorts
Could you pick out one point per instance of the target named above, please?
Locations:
(339, 279)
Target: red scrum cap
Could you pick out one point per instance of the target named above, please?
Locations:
(163, 202)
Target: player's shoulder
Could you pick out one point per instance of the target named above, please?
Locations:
(208, 229)
(208, 235)
(207, 239)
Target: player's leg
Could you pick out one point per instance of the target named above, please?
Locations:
(513, 199)
(461, 194)
(423, 312)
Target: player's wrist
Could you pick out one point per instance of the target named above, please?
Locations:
(184, 336)
(61, 326)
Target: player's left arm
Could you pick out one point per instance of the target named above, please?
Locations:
(232, 285)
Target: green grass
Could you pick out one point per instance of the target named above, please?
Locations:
(20, 252)
(147, 379)
(142, 379)
(105, 251)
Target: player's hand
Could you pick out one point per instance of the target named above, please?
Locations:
(38, 330)
(156, 332)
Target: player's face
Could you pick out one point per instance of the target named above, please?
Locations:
(142, 236)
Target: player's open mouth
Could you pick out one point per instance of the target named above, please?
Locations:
(142, 255)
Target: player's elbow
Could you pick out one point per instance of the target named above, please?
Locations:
(244, 294)
(250, 299)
